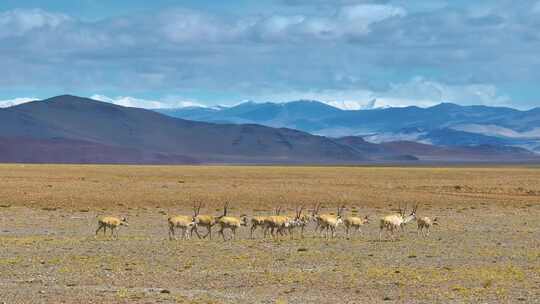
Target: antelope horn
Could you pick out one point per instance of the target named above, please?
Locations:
(225, 208)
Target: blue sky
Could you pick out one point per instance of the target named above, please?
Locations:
(166, 53)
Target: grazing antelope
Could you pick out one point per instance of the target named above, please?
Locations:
(331, 222)
(182, 222)
(112, 223)
(230, 222)
(424, 224)
(355, 222)
(392, 222)
(207, 221)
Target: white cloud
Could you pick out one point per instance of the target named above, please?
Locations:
(285, 51)
(18, 22)
(420, 91)
(15, 101)
(357, 18)
(416, 92)
(128, 101)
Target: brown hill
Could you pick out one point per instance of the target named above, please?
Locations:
(107, 125)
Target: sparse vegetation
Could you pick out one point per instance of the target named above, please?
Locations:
(484, 249)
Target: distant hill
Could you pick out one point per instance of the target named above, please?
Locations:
(444, 124)
(107, 126)
(70, 129)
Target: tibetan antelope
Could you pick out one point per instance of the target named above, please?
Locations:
(182, 222)
(424, 224)
(295, 222)
(319, 218)
(278, 223)
(331, 222)
(393, 222)
(302, 221)
(230, 222)
(112, 223)
(207, 221)
(256, 221)
(354, 222)
(259, 221)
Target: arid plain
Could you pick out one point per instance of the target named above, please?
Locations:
(485, 250)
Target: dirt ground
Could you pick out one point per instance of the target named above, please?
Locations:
(485, 250)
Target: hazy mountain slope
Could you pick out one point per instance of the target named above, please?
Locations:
(60, 150)
(484, 153)
(88, 120)
(474, 125)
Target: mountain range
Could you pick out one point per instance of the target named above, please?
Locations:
(71, 129)
(445, 124)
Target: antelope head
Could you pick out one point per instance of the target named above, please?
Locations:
(366, 219)
(244, 220)
(411, 216)
(124, 221)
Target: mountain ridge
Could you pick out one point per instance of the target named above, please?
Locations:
(71, 129)
(506, 124)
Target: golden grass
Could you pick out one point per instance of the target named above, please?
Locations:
(88, 187)
(484, 250)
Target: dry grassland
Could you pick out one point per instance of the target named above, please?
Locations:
(486, 249)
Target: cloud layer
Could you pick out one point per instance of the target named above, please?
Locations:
(398, 52)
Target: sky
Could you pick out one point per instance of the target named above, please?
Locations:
(348, 53)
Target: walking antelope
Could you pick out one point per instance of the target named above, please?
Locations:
(424, 224)
(392, 222)
(355, 222)
(295, 222)
(207, 221)
(230, 222)
(259, 221)
(331, 222)
(319, 218)
(277, 223)
(182, 222)
(302, 221)
(112, 223)
(316, 216)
